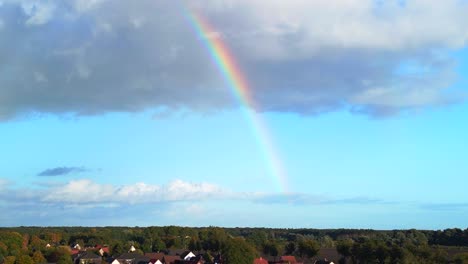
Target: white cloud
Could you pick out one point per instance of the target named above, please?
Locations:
(86, 191)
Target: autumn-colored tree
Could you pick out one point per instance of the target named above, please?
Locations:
(38, 258)
(9, 260)
(3, 249)
(24, 259)
(36, 243)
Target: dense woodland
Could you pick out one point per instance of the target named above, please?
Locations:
(27, 245)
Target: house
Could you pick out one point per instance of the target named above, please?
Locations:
(187, 255)
(155, 256)
(132, 249)
(288, 259)
(323, 261)
(87, 257)
(176, 252)
(102, 249)
(193, 260)
(133, 258)
(260, 261)
(155, 261)
(114, 261)
(171, 259)
(327, 254)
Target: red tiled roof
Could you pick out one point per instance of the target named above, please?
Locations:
(260, 261)
(171, 259)
(290, 259)
(158, 256)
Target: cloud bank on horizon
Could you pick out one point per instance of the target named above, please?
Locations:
(307, 57)
(86, 202)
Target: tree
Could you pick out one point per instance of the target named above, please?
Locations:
(24, 259)
(36, 243)
(461, 258)
(117, 249)
(271, 248)
(207, 257)
(194, 244)
(308, 247)
(3, 249)
(38, 258)
(258, 238)
(158, 245)
(65, 259)
(397, 254)
(147, 245)
(237, 250)
(382, 252)
(13, 242)
(344, 247)
(9, 260)
(289, 248)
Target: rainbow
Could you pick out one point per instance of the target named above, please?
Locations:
(232, 74)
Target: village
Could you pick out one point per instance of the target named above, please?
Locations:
(101, 254)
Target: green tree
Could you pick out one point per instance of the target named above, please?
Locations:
(271, 248)
(117, 249)
(147, 245)
(290, 248)
(308, 247)
(208, 257)
(237, 250)
(382, 252)
(344, 247)
(258, 238)
(65, 259)
(194, 244)
(158, 245)
(327, 242)
(461, 258)
(397, 254)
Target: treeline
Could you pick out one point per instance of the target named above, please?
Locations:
(28, 245)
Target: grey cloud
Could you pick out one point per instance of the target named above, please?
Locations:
(60, 171)
(306, 57)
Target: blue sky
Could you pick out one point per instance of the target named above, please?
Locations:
(110, 115)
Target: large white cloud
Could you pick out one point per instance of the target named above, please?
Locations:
(88, 192)
(96, 56)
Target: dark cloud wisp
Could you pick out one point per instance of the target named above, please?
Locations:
(61, 171)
